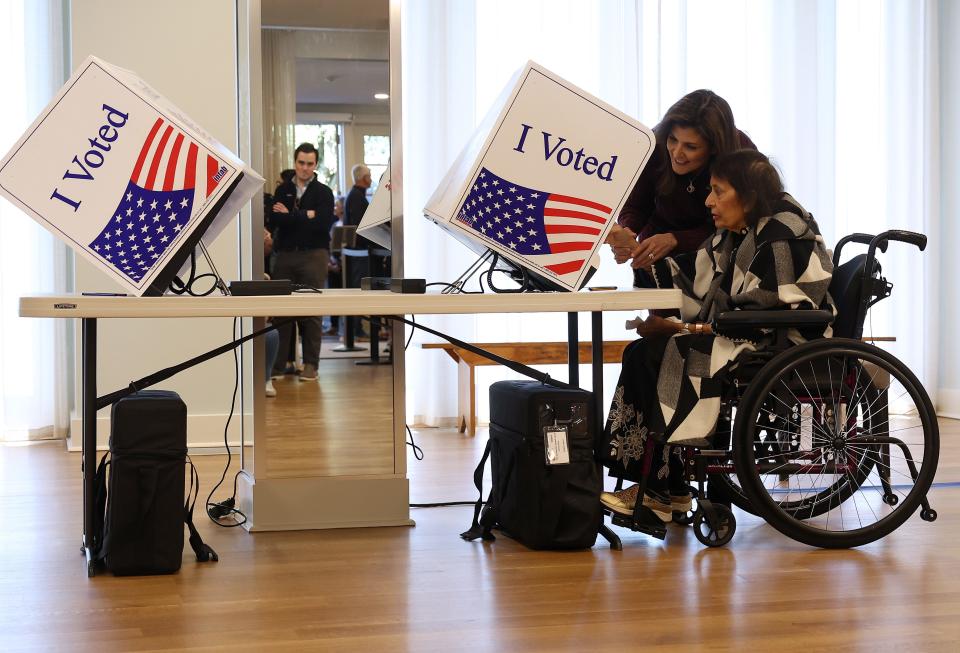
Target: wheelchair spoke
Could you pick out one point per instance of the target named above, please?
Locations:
(905, 475)
(831, 464)
(787, 406)
(895, 400)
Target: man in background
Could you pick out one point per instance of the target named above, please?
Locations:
(353, 210)
(302, 215)
(357, 204)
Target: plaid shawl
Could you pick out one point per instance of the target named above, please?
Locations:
(782, 263)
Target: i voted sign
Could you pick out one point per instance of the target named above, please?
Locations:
(121, 175)
(544, 177)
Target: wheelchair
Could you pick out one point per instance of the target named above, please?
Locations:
(833, 442)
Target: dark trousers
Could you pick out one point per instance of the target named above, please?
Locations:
(635, 424)
(308, 267)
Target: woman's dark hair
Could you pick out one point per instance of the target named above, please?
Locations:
(754, 178)
(707, 113)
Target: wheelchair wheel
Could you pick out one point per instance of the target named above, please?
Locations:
(836, 443)
(718, 533)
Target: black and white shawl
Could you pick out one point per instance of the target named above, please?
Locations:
(781, 263)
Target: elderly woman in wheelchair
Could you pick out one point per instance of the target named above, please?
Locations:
(746, 399)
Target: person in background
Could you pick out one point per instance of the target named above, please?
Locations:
(353, 210)
(355, 206)
(271, 339)
(334, 269)
(303, 215)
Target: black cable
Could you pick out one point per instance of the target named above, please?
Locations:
(304, 288)
(512, 271)
(417, 451)
(461, 281)
(455, 288)
(180, 287)
(227, 507)
(418, 454)
(413, 318)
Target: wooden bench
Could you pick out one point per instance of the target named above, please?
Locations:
(529, 353)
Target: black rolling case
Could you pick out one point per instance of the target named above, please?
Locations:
(140, 490)
(546, 482)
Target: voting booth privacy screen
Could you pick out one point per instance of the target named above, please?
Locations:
(375, 223)
(543, 178)
(124, 177)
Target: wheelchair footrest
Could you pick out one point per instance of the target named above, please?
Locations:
(644, 521)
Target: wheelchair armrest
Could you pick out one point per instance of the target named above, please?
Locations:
(785, 319)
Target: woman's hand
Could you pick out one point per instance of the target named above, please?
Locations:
(652, 249)
(655, 325)
(623, 242)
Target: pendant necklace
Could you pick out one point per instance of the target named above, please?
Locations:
(690, 187)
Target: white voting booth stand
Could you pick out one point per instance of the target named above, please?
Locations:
(124, 177)
(543, 178)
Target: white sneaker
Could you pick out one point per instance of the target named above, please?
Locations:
(271, 391)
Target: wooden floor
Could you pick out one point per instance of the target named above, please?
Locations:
(424, 589)
(322, 429)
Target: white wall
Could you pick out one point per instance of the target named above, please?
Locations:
(948, 396)
(187, 50)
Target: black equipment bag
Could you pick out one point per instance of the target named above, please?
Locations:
(142, 503)
(542, 504)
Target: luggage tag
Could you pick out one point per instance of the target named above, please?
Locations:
(556, 441)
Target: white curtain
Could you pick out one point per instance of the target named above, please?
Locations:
(34, 392)
(279, 103)
(843, 95)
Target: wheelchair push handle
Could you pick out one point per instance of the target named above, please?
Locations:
(864, 239)
(880, 241)
(910, 237)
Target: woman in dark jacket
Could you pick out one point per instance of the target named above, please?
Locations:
(665, 211)
(767, 253)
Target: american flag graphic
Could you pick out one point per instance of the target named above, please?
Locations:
(171, 177)
(554, 231)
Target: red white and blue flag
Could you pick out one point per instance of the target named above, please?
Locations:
(554, 231)
(171, 176)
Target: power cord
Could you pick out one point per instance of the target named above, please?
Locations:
(417, 451)
(180, 287)
(418, 454)
(413, 318)
(226, 508)
(513, 272)
(304, 288)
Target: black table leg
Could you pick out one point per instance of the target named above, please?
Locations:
(597, 350)
(573, 349)
(348, 342)
(596, 346)
(375, 346)
(89, 438)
